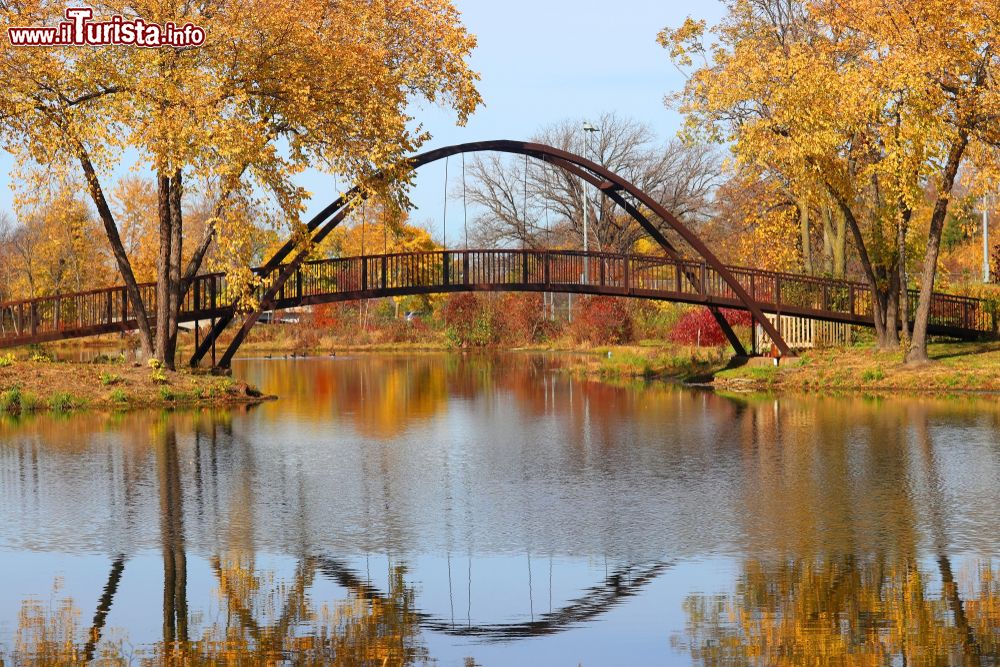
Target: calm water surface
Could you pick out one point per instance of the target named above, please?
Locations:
(488, 510)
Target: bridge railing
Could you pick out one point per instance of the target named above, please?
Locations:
(211, 295)
(85, 311)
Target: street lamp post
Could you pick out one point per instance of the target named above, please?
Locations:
(986, 239)
(588, 129)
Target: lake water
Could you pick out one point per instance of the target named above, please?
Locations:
(491, 510)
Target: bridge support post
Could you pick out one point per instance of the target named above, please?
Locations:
(727, 329)
(446, 268)
(465, 267)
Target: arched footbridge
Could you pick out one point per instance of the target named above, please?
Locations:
(375, 276)
(289, 279)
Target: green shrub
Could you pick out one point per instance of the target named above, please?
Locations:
(61, 401)
(166, 394)
(10, 400)
(108, 379)
(17, 402)
(6, 360)
(119, 396)
(873, 375)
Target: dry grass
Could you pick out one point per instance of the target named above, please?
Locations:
(954, 367)
(651, 361)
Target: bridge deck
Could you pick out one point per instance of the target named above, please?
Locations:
(107, 310)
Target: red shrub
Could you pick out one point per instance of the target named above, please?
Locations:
(699, 326)
(494, 319)
(603, 320)
(462, 315)
(333, 315)
(520, 319)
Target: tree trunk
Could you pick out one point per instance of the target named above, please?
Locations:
(904, 294)
(918, 344)
(176, 246)
(840, 248)
(880, 303)
(806, 236)
(828, 240)
(889, 341)
(163, 270)
(118, 249)
(834, 242)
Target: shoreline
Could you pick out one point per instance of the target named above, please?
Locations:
(40, 385)
(956, 369)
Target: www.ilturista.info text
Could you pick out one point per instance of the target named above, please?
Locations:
(79, 30)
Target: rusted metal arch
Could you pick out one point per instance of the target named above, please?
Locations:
(607, 182)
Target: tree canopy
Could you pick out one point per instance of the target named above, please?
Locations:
(277, 87)
(869, 106)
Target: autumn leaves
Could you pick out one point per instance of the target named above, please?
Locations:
(278, 88)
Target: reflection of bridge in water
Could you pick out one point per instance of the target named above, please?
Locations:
(698, 472)
(622, 583)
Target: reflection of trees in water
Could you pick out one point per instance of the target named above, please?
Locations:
(352, 631)
(265, 619)
(382, 395)
(841, 506)
(838, 576)
(882, 610)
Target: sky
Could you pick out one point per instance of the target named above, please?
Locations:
(541, 62)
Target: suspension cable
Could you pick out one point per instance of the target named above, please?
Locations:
(465, 206)
(525, 236)
(444, 222)
(548, 225)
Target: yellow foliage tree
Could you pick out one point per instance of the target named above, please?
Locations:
(275, 88)
(52, 251)
(865, 104)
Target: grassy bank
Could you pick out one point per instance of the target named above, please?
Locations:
(954, 367)
(653, 360)
(39, 385)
